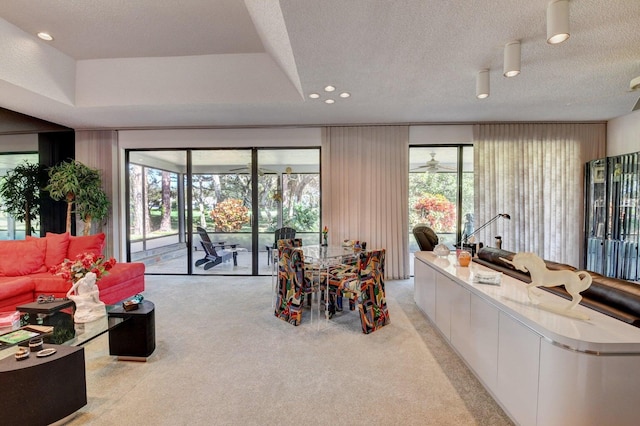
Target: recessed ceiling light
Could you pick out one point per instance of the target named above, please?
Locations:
(314, 95)
(345, 94)
(45, 36)
(329, 89)
(329, 101)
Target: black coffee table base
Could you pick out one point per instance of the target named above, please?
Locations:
(43, 390)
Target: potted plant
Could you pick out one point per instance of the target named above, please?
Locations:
(77, 183)
(20, 192)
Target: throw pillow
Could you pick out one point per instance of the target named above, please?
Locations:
(85, 244)
(57, 246)
(22, 257)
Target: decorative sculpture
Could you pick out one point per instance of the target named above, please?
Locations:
(541, 276)
(86, 296)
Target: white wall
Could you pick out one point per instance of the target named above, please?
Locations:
(623, 134)
(440, 134)
(19, 143)
(220, 138)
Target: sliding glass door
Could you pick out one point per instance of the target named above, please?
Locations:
(221, 202)
(289, 196)
(156, 210)
(215, 211)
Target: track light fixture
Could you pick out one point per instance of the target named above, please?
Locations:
(512, 59)
(482, 84)
(557, 21)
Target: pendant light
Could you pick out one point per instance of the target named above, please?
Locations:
(557, 21)
(482, 84)
(512, 59)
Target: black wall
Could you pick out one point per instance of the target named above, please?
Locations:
(54, 148)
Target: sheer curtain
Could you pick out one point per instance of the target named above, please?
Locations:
(365, 190)
(535, 173)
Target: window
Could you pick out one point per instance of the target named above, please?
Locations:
(441, 191)
(10, 229)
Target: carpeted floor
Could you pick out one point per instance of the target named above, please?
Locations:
(222, 358)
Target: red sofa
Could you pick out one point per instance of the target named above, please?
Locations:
(24, 270)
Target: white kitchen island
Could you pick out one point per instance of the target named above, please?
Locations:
(542, 368)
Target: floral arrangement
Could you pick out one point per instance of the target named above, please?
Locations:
(325, 232)
(76, 269)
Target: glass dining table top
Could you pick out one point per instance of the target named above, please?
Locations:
(327, 254)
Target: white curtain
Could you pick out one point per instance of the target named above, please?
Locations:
(365, 190)
(535, 173)
(98, 149)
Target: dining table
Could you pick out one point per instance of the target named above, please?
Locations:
(319, 259)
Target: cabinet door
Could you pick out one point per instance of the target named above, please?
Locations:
(518, 370)
(424, 289)
(595, 217)
(621, 245)
(444, 296)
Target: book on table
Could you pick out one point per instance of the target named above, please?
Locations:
(23, 334)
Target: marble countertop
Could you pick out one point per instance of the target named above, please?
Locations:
(600, 334)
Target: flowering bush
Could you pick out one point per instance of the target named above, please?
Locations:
(76, 269)
(229, 215)
(437, 211)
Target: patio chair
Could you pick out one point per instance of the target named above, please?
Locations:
(284, 233)
(215, 254)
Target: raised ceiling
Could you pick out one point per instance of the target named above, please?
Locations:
(201, 63)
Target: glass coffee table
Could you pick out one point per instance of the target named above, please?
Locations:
(54, 323)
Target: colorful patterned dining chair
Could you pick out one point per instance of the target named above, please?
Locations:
(368, 285)
(347, 267)
(293, 284)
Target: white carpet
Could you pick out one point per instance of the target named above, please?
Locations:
(222, 358)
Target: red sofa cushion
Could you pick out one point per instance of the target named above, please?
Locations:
(15, 291)
(47, 283)
(22, 257)
(57, 246)
(85, 244)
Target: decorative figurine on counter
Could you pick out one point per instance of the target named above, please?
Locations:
(541, 276)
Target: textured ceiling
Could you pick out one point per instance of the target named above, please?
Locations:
(192, 63)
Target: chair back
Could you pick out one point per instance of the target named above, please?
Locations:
(292, 284)
(204, 236)
(373, 302)
(206, 243)
(425, 237)
(284, 233)
(289, 242)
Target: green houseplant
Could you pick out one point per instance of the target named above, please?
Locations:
(20, 192)
(78, 184)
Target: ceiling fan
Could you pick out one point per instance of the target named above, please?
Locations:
(433, 165)
(247, 169)
(634, 85)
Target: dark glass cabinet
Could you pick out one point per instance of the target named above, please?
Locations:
(612, 216)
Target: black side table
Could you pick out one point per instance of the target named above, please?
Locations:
(132, 334)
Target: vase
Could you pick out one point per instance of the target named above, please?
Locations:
(325, 240)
